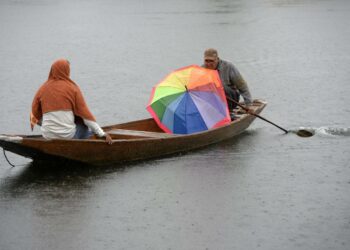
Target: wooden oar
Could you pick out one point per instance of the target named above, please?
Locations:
(301, 132)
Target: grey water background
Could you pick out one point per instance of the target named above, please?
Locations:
(260, 190)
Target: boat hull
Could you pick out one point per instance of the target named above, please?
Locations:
(137, 140)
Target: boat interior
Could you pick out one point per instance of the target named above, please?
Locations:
(140, 129)
(147, 128)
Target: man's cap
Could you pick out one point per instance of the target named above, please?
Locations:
(210, 54)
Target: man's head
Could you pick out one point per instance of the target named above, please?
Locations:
(211, 58)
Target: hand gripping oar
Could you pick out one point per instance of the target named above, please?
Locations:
(302, 132)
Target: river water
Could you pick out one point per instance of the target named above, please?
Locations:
(260, 190)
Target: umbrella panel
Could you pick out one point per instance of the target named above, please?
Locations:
(210, 106)
(187, 118)
(160, 105)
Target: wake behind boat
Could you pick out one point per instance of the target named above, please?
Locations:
(132, 141)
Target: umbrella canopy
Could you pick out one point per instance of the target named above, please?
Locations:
(189, 100)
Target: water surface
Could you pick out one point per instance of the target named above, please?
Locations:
(260, 190)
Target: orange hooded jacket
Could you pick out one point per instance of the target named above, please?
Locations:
(59, 92)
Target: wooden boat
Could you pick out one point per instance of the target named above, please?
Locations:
(132, 141)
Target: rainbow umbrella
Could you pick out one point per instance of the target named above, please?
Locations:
(189, 100)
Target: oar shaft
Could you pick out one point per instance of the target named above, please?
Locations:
(247, 110)
(286, 131)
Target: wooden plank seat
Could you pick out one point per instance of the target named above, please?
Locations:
(138, 133)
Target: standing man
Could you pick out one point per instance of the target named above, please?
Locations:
(232, 81)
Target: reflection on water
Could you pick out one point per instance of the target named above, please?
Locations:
(61, 178)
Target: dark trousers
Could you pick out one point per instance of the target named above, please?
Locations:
(233, 94)
(82, 131)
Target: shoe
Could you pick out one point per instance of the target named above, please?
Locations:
(232, 116)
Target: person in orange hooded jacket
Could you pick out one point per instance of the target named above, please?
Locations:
(60, 109)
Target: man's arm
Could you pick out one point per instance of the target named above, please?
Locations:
(241, 85)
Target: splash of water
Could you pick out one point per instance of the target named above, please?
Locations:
(326, 131)
(333, 131)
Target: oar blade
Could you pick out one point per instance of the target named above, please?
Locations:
(304, 133)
